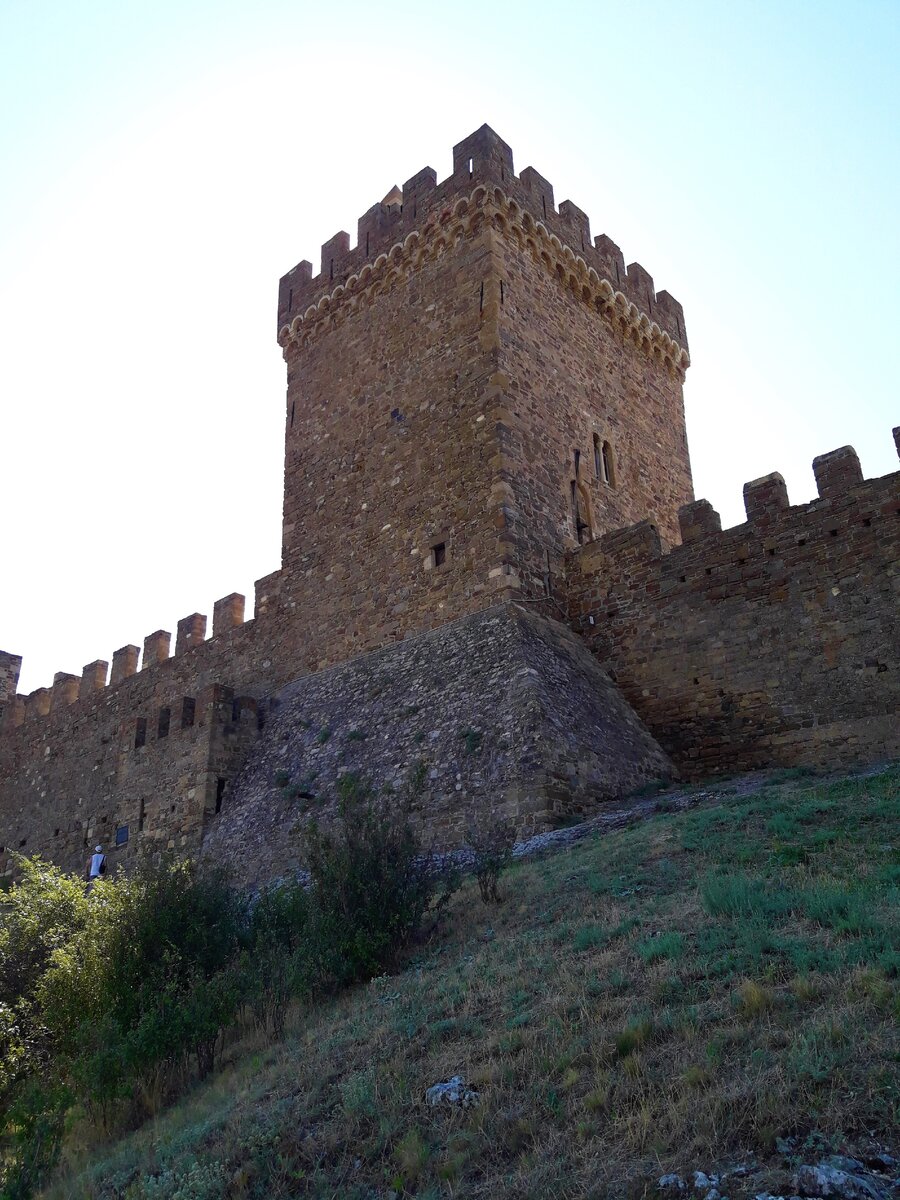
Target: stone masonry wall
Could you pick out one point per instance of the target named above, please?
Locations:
(386, 459)
(771, 643)
(93, 771)
(576, 387)
(437, 392)
(503, 711)
(441, 376)
(10, 665)
(481, 162)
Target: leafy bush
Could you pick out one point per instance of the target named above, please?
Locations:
(155, 964)
(37, 916)
(114, 999)
(107, 997)
(491, 839)
(278, 925)
(35, 1124)
(370, 889)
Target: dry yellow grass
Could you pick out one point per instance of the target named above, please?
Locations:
(671, 996)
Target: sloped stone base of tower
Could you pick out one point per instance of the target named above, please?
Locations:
(502, 711)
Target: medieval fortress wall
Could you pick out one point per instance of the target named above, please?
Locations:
(484, 411)
(774, 642)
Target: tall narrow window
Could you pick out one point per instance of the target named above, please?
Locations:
(220, 794)
(598, 457)
(188, 711)
(606, 463)
(581, 513)
(140, 732)
(580, 525)
(165, 717)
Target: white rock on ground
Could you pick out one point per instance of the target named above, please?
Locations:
(454, 1091)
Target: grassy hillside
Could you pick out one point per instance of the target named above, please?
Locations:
(671, 996)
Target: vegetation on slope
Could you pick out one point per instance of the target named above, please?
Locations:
(117, 996)
(682, 993)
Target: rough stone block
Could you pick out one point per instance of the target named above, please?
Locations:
(156, 648)
(124, 663)
(765, 498)
(698, 520)
(191, 632)
(228, 613)
(93, 678)
(64, 691)
(837, 471)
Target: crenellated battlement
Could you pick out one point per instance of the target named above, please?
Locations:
(397, 233)
(143, 744)
(771, 641)
(770, 516)
(128, 662)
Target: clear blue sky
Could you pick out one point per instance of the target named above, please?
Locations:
(164, 164)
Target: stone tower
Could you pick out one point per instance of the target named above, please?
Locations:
(494, 577)
(473, 390)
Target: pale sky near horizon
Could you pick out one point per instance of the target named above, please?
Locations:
(163, 165)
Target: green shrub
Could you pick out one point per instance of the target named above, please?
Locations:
(37, 916)
(108, 997)
(147, 985)
(472, 738)
(35, 1122)
(278, 925)
(369, 889)
(491, 839)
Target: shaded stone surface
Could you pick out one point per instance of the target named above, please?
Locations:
(505, 711)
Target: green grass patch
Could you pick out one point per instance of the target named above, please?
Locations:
(664, 945)
(664, 996)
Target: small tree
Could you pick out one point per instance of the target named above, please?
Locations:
(491, 839)
(370, 888)
(278, 928)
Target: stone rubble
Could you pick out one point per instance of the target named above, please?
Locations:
(454, 1091)
(827, 1179)
(872, 1176)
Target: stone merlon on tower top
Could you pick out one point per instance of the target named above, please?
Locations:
(482, 159)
